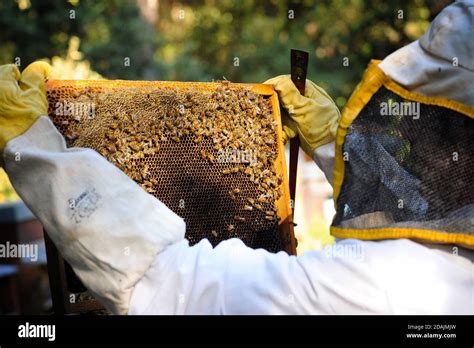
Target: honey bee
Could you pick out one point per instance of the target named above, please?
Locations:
(226, 171)
(251, 200)
(136, 176)
(111, 136)
(239, 218)
(72, 136)
(146, 173)
(134, 146)
(274, 183)
(230, 228)
(149, 151)
(111, 148)
(214, 233)
(248, 207)
(279, 179)
(262, 198)
(150, 190)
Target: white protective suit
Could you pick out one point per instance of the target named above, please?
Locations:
(129, 249)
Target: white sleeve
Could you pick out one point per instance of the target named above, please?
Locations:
(324, 158)
(234, 279)
(103, 223)
(349, 277)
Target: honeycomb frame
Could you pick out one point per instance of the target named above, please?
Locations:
(281, 205)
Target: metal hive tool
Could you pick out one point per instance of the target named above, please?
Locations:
(210, 151)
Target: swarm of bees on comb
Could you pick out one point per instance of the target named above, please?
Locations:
(220, 143)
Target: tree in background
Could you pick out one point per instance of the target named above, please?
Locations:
(202, 40)
(250, 40)
(111, 34)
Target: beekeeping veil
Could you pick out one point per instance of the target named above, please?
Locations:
(404, 159)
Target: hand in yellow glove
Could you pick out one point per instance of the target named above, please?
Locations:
(22, 99)
(314, 116)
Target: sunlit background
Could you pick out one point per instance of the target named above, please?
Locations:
(203, 40)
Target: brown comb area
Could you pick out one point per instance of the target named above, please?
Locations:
(207, 154)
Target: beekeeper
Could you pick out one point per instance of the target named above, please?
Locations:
(134, 257)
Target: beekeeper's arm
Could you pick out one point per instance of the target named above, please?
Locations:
(103, 223)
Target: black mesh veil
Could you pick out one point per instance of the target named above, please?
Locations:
(407, 165)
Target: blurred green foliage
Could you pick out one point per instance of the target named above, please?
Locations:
(202, 40)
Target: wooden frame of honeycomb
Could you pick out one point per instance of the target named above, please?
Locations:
(175, 139)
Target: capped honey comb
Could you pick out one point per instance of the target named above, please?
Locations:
(210, 151)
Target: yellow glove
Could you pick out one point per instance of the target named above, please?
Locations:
(314, 116)
(22, 99)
